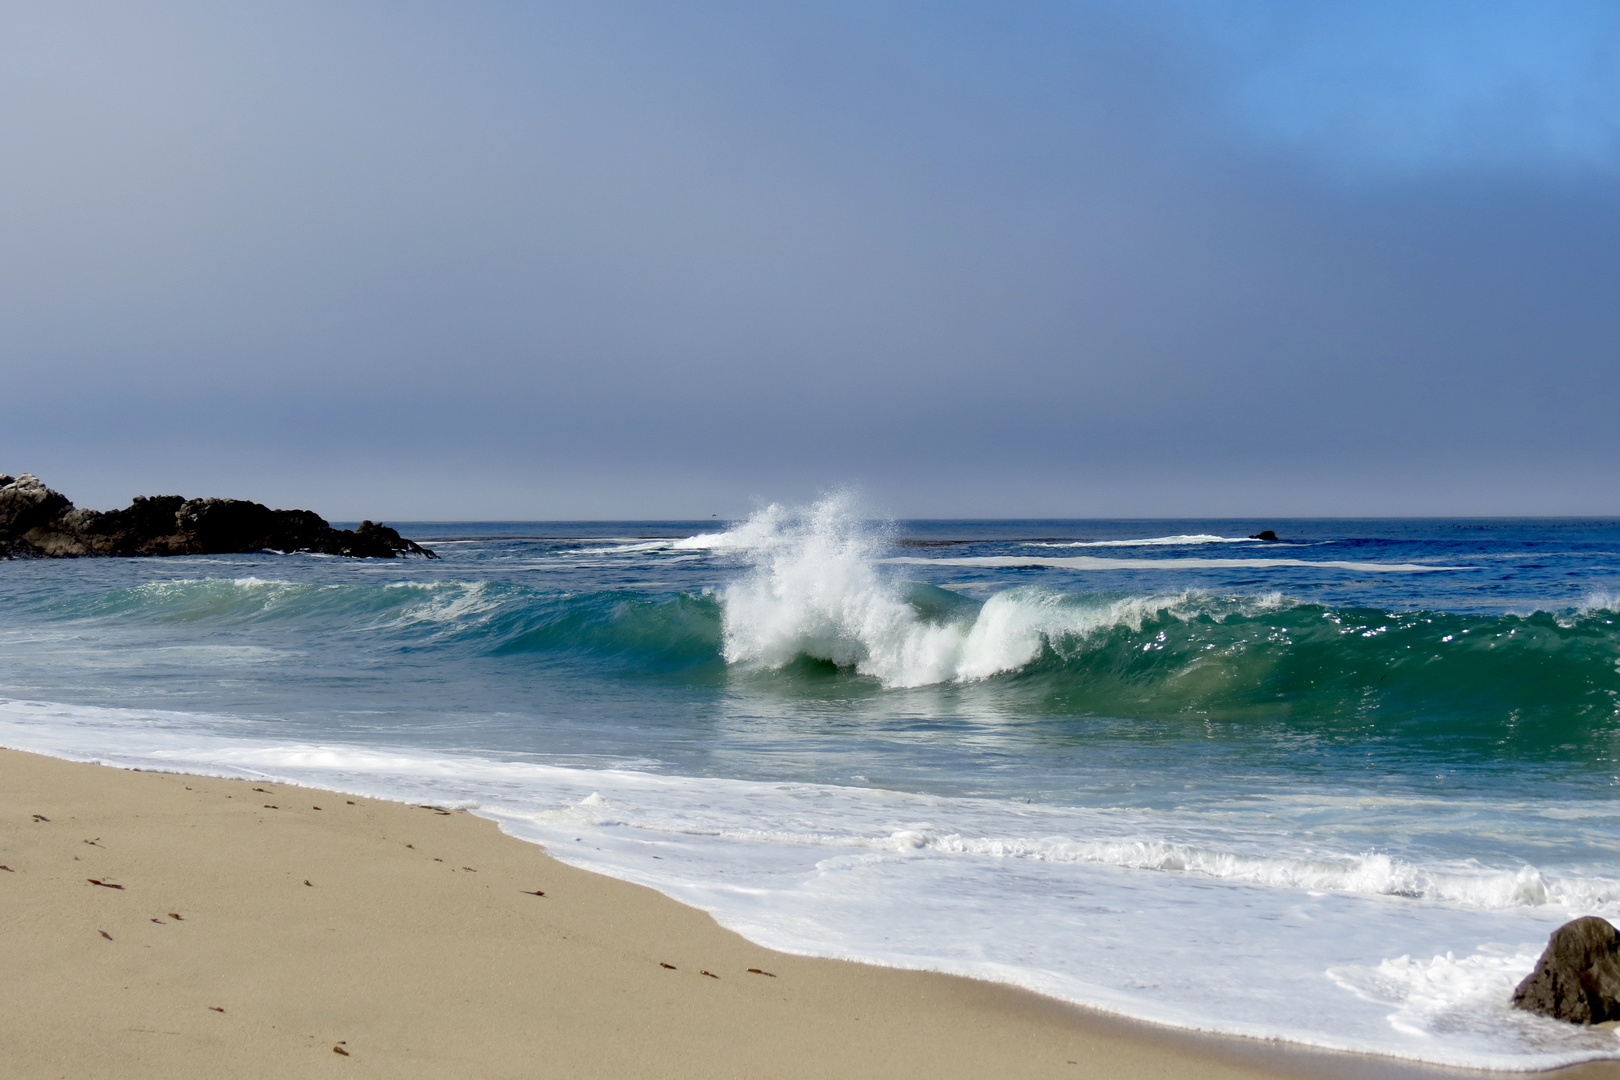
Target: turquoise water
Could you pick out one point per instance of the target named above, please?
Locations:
(1336, 789)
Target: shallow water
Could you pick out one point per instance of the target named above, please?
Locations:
(1336, 789)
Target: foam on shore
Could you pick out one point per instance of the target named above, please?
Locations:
(967, 886)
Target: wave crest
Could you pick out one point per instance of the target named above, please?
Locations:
(814, 590)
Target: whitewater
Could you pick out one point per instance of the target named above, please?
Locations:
(1335, 790)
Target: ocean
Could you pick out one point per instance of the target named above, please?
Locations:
(1335, 789)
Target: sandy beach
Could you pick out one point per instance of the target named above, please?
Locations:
(174, 926)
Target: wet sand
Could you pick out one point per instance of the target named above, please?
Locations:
(171, 926)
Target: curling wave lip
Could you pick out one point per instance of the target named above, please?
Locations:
(1093, 562)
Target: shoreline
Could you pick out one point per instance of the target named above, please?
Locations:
(358, 936)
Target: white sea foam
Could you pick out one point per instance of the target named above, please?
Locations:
(627, 547)
(1091, 562)
(1599, 602)
(1082, 904)
(250, 585)
(1465, 996)
(816, 589)
(1371, 874)
(742, 537)
(1185, 540)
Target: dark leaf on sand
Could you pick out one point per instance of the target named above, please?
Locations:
(306, 882)
(104, 934)
(8, 869)
(340, 1050)
(710, 974)
(664, 965)
(215, 1008)
(41, 817)
(103, 884)
(160, 922)
(757, 971)
(525, 892)
(469, 870)
(172, 915)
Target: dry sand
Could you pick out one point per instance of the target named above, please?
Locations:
(262, 930)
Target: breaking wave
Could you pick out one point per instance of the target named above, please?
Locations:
(816, 590)
(815, 597)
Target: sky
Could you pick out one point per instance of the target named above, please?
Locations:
(491, 259)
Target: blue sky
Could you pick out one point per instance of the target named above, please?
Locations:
(548, 260)
(1380, 91)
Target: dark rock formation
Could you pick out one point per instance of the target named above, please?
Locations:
(1578, 977)
(36, 522)
(1263, 534)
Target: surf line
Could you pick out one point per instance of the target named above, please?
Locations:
(1093, 562)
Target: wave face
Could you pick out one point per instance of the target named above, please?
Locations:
(1368, 768)
(815, 591)
(1193, 654)
(814, 596)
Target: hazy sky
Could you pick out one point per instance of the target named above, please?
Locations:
(481, 259)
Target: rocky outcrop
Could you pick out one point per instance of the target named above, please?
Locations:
(1263, 534)
(36, 522)
(1578, 976)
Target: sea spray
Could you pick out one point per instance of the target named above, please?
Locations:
(816, 589)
